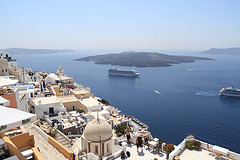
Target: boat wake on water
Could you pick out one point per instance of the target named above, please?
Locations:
(157, 92)
(207, 94)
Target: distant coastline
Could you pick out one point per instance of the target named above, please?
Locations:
(24, 51)
(140, 59)
(235, 51)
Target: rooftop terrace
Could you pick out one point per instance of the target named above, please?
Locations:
(144, 155)
(187, 154)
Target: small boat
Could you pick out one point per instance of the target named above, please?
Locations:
(156, 92)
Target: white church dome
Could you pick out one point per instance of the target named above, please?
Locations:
(98, 128)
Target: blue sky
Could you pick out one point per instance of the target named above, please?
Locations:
(120, 24)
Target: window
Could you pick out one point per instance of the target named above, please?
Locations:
(2, 70)
(82, 129)
(73, 108)
(89, 148)
(6, 70)
(96, 150)
(51, 110)
(102, 149)
(107, 147)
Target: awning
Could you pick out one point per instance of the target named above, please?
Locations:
(11, 118)
(4, 82)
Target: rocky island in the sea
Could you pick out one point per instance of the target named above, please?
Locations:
(235, 51)
(141, 59)
(21, 51)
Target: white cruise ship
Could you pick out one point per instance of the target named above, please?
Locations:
(230, 91)
(121, 72)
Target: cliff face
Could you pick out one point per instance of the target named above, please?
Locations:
(140, 59)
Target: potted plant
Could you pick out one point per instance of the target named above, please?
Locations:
(83, 153)
(168, 149)
(32, 142)
(196, 144)
(189, 145)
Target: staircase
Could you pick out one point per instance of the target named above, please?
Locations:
(61, 139)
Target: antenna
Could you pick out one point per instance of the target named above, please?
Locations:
(97, 117)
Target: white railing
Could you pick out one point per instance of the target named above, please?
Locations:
(41, 132)
(205, 145)
(177, 150)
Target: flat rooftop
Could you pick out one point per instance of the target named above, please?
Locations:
(88, 102)
(67, 99)
(46, 100)
(187, 154)
(80, 91)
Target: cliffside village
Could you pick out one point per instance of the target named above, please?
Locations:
(49, 116)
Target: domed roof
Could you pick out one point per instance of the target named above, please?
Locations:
(96, 129)
(52, 75)
(60, 71)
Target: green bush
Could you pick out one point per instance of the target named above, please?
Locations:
(189, 144)
(80, 111)
(120, 128)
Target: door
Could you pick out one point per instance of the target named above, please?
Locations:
(51, 110)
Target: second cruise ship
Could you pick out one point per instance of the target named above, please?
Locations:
(230, 91)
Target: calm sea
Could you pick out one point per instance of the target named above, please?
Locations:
(187, 101)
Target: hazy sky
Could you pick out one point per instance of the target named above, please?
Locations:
(120, 24)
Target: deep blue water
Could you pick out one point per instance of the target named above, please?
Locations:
(188, 101)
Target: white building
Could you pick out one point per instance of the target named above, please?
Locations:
(91, 104)
(48, 107)
(60, 77)
(12, 63)
(103, 114)
(9, 93)
(9, 67)
(4, 102)
(26, 92)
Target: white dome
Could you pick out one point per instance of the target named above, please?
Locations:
(60, 71)
(96, 129)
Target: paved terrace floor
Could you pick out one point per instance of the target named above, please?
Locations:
(47, 150)
(145, 155)
(201, 154)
